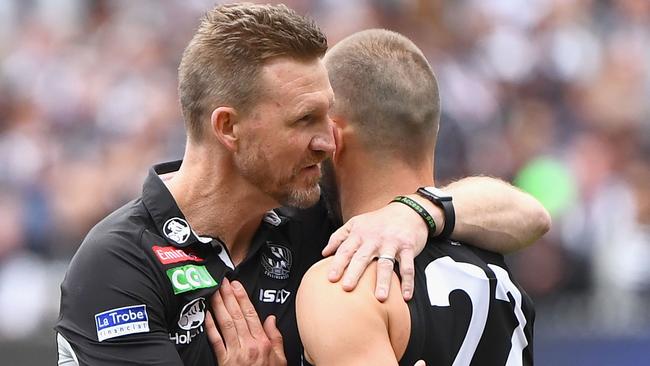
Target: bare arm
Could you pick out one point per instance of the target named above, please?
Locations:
(348, 328)
(495, 215)
(490, 214)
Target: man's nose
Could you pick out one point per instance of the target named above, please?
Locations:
(323, 142)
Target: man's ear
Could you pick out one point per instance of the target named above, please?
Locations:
(337, 126)
(223, 123)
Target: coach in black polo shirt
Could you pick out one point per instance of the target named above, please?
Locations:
(255, 98)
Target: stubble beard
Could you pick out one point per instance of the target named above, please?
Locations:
(258, 170)
(304, 198)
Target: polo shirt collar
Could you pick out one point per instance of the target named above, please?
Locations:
(164, 211)
(169, 218)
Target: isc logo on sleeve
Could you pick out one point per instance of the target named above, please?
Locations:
(122, 321)
(190, 277)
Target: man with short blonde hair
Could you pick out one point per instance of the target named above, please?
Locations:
(466, 309)
(222, 63)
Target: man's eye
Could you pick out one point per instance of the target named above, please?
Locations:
(306, 118)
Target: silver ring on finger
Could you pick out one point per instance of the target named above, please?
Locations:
(387, 257)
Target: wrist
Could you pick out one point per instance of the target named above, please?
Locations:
(427, 218)
(436, 212)
(443, 200)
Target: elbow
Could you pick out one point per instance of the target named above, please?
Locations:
(537, 224)
(542, 222)
(547, 222)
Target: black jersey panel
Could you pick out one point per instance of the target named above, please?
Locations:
(272, 274)
(111, 304)
(137, 290)
(467, 309)
(142, 280)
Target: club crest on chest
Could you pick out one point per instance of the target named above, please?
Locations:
(276, 261)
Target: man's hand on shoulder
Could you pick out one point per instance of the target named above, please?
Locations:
(490, 213)
(394, 231)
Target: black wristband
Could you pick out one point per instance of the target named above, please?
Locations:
(444, 201)
(424, 214)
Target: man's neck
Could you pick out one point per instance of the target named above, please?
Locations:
(368, 187)
(217, 202)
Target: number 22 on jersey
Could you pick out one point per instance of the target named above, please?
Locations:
(445, 275)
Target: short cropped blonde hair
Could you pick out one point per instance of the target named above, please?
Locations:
(221, 64)
(385, 85)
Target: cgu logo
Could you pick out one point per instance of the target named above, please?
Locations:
(279, 296)
(190, 277)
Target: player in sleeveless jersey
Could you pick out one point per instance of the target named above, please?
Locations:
(466, 308)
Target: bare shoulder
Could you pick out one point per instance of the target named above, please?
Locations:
(317, 294)
(338, 327)
(316, 278)
(319, 268)
(335, 325)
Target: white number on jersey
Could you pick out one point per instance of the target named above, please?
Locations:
(445, 275)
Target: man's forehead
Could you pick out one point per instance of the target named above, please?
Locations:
(304, 83)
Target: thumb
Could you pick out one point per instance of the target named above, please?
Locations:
(271, 330)
(420, 363)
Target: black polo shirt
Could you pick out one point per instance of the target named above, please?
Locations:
(137, 289)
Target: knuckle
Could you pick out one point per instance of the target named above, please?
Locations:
(364, 256)
(352, 238)
(336, 236)
(408, 271)
(252, 351)
(278, 337)
(345, 250)
(214, 343)
(265, 346)
(250, 313)
(405, 246)
(376, 240)
(228, 324)
(404, 242)
(242, 359)
(237, 316)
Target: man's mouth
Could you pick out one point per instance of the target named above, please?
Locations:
(312, 170)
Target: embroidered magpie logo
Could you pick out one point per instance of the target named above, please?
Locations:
(276, 261)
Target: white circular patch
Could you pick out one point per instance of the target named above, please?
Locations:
(177, 230)
(192, 315)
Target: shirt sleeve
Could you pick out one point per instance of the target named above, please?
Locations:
(113, 306)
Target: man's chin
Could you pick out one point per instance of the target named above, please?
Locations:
(304, 198)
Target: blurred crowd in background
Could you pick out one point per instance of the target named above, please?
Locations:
(552, 95)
